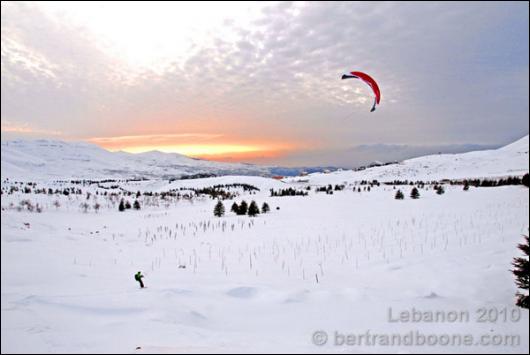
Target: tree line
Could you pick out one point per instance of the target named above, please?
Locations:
(241, 209)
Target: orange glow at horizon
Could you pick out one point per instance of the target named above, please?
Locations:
(194, 150)
(196, 146)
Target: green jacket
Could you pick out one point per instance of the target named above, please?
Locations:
(138, 276)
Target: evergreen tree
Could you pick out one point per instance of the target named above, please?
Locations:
(127, 205)
(265, 207)
(219, 209)
(136, 205)
(399, 195)
(440, 190)
(243, 208)
(235, 208)
(121, 207)
(525, 180)
(522, 274)
(466, 186)
(415, 194)
(253, 209)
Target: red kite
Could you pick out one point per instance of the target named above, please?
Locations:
(368, 80)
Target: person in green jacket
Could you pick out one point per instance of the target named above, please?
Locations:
(138, 277)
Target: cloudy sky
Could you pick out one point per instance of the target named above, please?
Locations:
(260, 82)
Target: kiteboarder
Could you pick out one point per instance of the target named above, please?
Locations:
(138, 277)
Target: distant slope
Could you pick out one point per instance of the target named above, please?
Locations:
(47, 159)
(509, 160)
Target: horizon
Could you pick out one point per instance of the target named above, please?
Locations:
(260, 83)
(372, 153)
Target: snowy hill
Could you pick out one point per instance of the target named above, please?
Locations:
(47, 159)
(320, 264)
(510, 160)
(236, 284)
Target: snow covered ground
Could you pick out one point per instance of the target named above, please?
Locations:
(321, 267)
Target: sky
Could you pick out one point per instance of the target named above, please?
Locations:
(260, 81)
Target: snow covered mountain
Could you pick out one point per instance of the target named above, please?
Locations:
(48, 159)
(510, 160)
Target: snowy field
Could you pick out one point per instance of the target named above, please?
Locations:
(352, 272)
(343, 264)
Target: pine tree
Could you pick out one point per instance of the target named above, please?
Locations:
(415, 194)
(136, 205)
(399, 195)
(265, 208)
(525, 180)
(243, 208)
(522, 274)
(235, 208)
(253, 209)
(121, 207)
(219, 209)
(127, 205)
(440, 190)
(466, 186)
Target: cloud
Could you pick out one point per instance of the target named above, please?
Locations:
(449, 73)
(9, 127)
(435, 72)
(153, 140)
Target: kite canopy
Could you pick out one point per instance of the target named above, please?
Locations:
(368, 80)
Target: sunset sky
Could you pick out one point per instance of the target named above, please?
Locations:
(260, 82)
